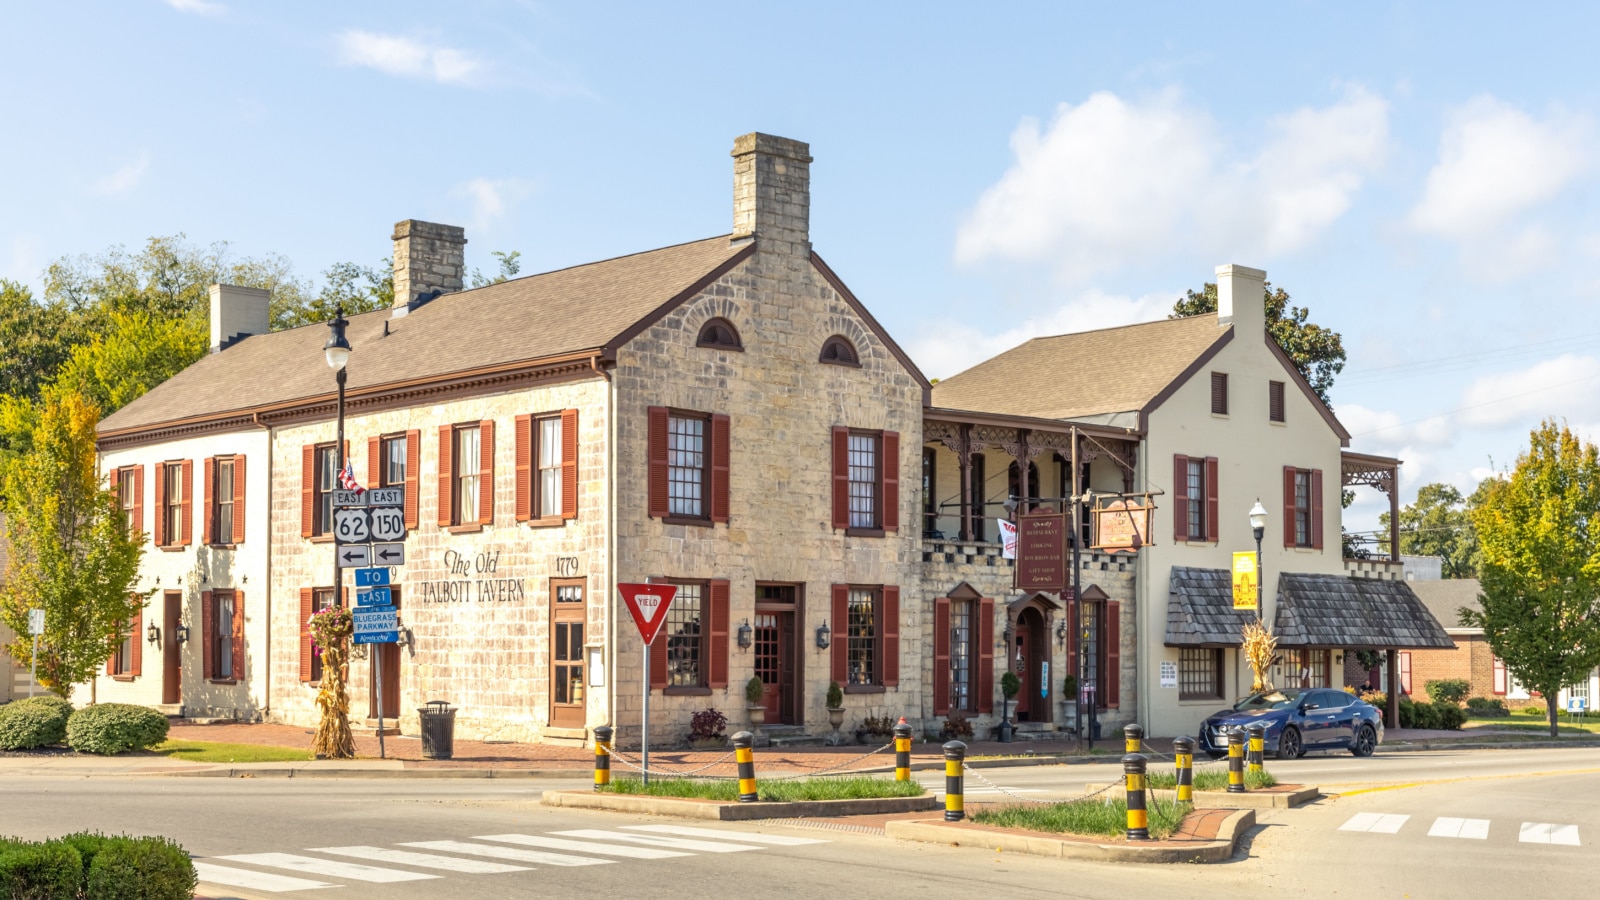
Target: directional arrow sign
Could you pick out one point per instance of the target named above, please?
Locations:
(353, 556)
(648, 603)
(389, 554)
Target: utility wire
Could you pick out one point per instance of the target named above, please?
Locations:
(1448, 413)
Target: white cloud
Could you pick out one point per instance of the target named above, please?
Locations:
(409, 58)
(1110, 182)
(198, 7)
(1497, 162)
(492, 198)
(124, 179)
(1563, 387)
(1386, 431)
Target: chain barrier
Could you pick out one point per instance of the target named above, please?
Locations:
(692, 773)
(831, 770)
(998, 789)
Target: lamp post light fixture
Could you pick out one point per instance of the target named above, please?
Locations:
(824, 636)
(153, 633)
(337, 352)
(1258, 526)
(746, 634)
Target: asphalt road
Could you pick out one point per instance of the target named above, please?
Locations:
(1470, 824)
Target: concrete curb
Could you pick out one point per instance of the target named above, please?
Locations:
(956, 834)
(422, 774)
(1261, 799)
(1427, 746)
(735, 812)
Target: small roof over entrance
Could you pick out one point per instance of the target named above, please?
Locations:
(1339, 611)
(1200, 612)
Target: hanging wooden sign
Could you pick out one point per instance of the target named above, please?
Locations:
(1122, 525)
(1042, 552)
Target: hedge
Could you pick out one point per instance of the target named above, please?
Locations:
(112, 728)
(96, 867)
(35, 722)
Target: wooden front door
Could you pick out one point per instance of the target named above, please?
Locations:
(171, 657)
(567, 621)
(777, 657)
(1031, 648)
(385, 658)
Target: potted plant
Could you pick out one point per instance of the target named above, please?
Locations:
(1010, 686)
(835, 703)
(706, 730)
(874, 729)
(753, 691)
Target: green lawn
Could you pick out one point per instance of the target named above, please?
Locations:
(1528, 723)
(213, 752)
(1212, 779)
(852, 788)
(1087, 817)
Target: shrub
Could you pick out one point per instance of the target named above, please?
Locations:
(47, 871)
(878, 726)
(1377, 698)
(1487, 707)
(835, 695)
(1424, 715)
(1010, 684)
(27, 724)
(1451, 716)
(753, 689)
(1449, 690)
(112, 728)
(707, 724)
(150, 868)
(1535, 710)
(956, 727)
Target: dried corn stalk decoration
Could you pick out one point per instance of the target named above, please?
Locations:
(1258, 647)
(331, 629)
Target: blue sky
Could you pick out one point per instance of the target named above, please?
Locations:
(1420, 175)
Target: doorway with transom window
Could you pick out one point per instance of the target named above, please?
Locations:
(568, 618)
(777, 651)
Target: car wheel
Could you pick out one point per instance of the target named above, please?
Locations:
(1289, 744)
(1366, 742)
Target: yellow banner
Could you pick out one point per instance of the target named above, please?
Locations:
(1245, 579)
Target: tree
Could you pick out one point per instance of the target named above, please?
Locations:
(1316, 351)
(1438, 524)
(353, 286)
(71, 552)
(510, 265)
(37, 338)
(136, 352)
(1540, 534)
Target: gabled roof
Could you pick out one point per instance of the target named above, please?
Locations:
(571, 311)
(1339, 611)
(1200, 611)
(1445, 598)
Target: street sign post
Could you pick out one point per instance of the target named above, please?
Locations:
(35, 628)
(649, 604)
(378, 596)
(354, 556)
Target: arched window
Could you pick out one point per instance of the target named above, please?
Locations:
(839, 351)
(719, 334)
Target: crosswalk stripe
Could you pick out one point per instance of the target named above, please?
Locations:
(422, 860)
(533, 856)
(1375, 823)
(553, 843)
(749, 837)
(330, 867)
(1447, 826)
(211, 873)
(1546, 833)
(652, 840)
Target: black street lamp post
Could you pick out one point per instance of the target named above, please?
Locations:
(337, 352)
(1258, 526)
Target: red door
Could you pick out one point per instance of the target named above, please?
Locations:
(770, 662)
(171, 650)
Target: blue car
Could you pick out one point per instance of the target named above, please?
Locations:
(1297, 720)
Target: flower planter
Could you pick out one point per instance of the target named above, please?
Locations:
(835, 717)
(758, 715)
(709, 743)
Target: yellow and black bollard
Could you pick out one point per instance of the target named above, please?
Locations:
(746, 758)
(902, 751)
(1183, 753)
(602, 756)
(1236, 761)
(1133, 738)
(1258, 746)
(955, 756)
(1133, 766)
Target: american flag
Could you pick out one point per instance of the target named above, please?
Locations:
(347, 479)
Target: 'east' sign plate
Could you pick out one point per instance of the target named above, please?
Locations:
(386, 497)
(378, 596)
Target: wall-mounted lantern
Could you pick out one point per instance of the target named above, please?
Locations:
(746, 635)
(153, 633)
(824, 636)
(182, 635)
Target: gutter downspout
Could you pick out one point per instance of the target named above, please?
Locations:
(266, 693)
(609, 625)
(1143, 654)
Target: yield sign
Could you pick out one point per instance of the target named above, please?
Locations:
(648, 603)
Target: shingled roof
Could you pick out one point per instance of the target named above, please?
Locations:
(1445, 598)
(1200, 612)
(1339, 611)
(583, 308)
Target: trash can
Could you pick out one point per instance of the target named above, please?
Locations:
(438, 730)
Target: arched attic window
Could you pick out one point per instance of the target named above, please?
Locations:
(838, 351)
(719, 334)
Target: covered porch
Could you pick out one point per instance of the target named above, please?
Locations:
(1366, 554)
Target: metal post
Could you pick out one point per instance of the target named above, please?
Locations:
(1236, 761)
(377, 676)
(902, 751)
(602, 756)
(644, 721)
(33, 674)
(1261, 582)
(338, 453)
(1183, 755)
(1075, 608)
(955, 755)
(1133, 766)
(1258, 746)
(1133, 738)
(745, 758)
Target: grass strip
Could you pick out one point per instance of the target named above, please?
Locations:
(1212, 780)
(1093, 818)
(727, 790)
(214, 752)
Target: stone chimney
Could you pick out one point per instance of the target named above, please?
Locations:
(1240, 298)
(772, 192)
(236, 313)
(428, 259)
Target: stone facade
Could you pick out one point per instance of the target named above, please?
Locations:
(427, 257)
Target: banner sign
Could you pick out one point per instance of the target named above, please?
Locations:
(1008, 539)
(649, 604)
(1121, 525)
(1245, 582)
(1042, 552)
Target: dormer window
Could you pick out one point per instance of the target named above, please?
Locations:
(719, 334)
(839, 351)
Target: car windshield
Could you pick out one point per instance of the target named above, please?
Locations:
(1269, 700)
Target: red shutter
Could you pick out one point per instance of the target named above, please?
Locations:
(161, 504)
(1074, 636)
(1405, 672)
(941, 656)
(1499, 675)
(718, 670)
(486, 472)
(658, 661)
(1113, 685)
(375, 462)
(306, 599)
(208, 478)
(985, 656)
(524, 454)
(446, 436)
(207, 634)
(113, 479)
(239, 493)
(1180, 497)
(188, 503)
(839, 658)
(238, 636)
(1288, 506)
(138, 498)
(719, 468)
(841, 477)
(136, 642)
(1213, 520)
(308, 490)
(891, 636)
(889, 481)
(413, 466)
(1316, 509)
(569, 464)
(656, 461)
(111, 664)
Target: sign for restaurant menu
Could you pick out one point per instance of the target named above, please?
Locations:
(1042, 552)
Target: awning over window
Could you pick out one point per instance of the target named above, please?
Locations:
(1200, 611)
(1339, 611)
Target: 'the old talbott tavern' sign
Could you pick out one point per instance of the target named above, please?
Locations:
(1042, 552)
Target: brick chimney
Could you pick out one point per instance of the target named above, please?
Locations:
(772, 192)
(236, 313)
(1240, 298)
(428, 259)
